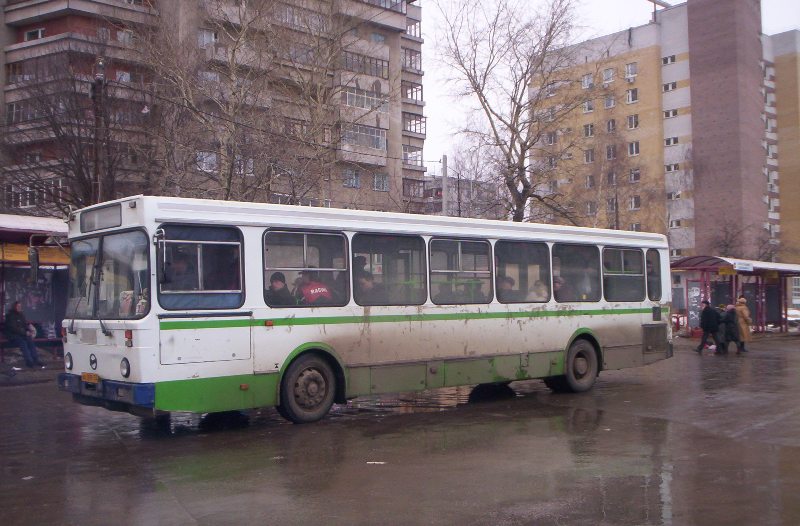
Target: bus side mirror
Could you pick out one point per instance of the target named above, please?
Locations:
(161, 255)
(33, 259)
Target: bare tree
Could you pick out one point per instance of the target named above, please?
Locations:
(499, 52)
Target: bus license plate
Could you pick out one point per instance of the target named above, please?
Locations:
(92, 378)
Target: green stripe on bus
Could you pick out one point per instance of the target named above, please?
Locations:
(390, 318)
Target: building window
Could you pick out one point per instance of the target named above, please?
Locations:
(675, 223)
(636, 202)
(610, 102)
(377, 38)
(206, 37)
(676, 252)
(587, 81)
(380, 182)
(668, 60)
(412, 155)
(588, 106)
(590, 181)
(588, 130)
(552, 186)
(611, 179)
(632, 95)
(670, 141)
(591, 208)
(412, 60)
(103, 34)
(611, 152)
(631, 70)
(411, 91)
(413, 188)
(21, 111)
(552, 162)
(414, 123)
(361, 135)
(611, 204)
(366, 65)
(206, 161)
(550, 90)
(125, 37)
(608, 75)
(673, 196)
(34, 34)
(633, 148)
(368, 100)
(635, 175)
(588, 155)
(351, 178)
(672, 167)
(668, 114)
(635, 227)
(413, 28)
(550, 138)
(633, 121)
(669, 86)
(611, 125)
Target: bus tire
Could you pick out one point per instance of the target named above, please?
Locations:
(581, 368)
(307, 389)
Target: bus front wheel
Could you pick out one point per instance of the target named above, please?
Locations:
(581, 368)
(307, 389)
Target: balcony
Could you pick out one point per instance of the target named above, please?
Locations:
(374, 12)
(68, 42)
(24, 12)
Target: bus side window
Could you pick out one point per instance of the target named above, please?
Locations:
(653, 275)
(460, 272)
(576, 272)
(388, 270)
(523, 272)
(305, 269)
(623, 274)
(202, 267)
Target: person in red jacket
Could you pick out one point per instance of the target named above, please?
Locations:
(311, 291)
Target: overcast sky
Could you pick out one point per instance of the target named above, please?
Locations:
(596, 17)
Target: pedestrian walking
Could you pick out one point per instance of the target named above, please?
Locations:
(19, 335)
(744, 320)
(709, 322)
(730, 330)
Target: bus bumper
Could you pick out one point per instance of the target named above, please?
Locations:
(108, 393)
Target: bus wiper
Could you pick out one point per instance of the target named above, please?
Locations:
(71, 328)
(103, 328)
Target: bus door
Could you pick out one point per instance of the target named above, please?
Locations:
(200, 286)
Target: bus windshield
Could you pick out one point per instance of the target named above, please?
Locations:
(108, 277)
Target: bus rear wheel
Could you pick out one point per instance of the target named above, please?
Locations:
(307, 389)
(581, 368)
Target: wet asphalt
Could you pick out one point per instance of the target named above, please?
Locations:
(701, 440)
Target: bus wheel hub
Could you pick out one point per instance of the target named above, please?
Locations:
(309, 390)
(581, 366)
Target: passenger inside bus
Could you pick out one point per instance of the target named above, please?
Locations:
(505, 289)
(538, 292)
(278, 294)
(367, 292)
(311, 291)
(182, 274)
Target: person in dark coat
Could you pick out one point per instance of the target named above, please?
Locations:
(17, 333)
(278, 294)
(709, 322)
(731, 329)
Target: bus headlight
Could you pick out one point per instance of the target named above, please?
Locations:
(68, 361)
(125, 368)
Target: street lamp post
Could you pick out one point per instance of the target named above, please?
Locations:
(98, 105)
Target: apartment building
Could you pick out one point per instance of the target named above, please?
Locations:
(313, 103)
(679, 130)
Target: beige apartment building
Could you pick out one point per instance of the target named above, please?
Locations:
(315, 103)
(680, 130)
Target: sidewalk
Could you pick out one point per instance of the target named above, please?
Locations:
(13, 360)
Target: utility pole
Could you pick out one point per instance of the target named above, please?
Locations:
(445, 197)
(98, 102)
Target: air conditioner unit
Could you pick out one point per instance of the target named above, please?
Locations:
(630, 79)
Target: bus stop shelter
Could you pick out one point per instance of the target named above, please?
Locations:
(43, 299)
(721, 280)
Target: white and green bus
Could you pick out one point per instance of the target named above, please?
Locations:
(210, 306)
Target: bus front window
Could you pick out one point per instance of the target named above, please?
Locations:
(109, 277)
